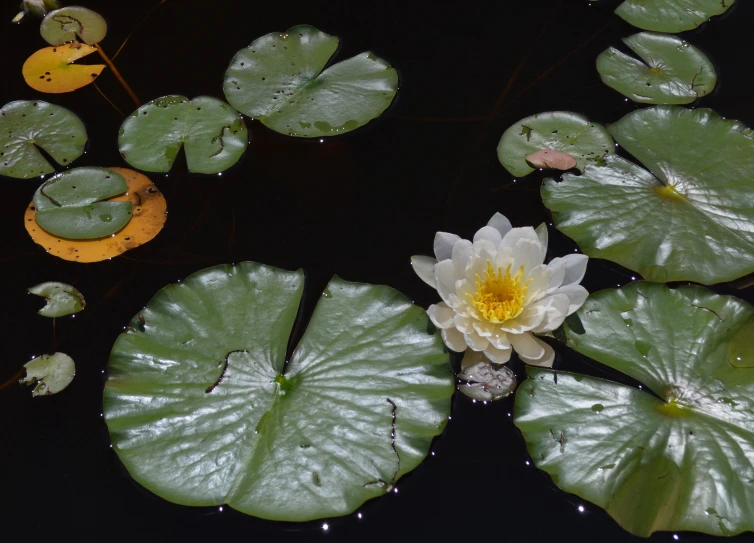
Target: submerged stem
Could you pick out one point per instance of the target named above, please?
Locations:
(143, 20)
(108, 99)
(13, 379)
(117, 74)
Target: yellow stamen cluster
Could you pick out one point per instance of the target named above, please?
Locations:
(500, 296)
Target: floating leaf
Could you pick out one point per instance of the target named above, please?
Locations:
(61, 299)
(26, 125)
(279, 79)
(561, 131)
(70, 205)
(482, 380)
(73, 23)
(203, 409)
(675, 72)
(214, 135)
(51, 69)
(691, 219)
(671, 15)
(51, 373)
(149, 214)
(680, 460)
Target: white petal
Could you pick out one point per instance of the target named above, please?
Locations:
(515, 234)
(532, 316)
(576, 294)
(485, 250)
(463, 323)
(490, 234)
(540, 277)
(499, 340)
(445, 282)
(529, 254)
(498, 356)
(475, 341)
(500, 223)
(453, 339)
(483, 328)
(575, 268)
(557, 310)
(444, 244)
(441, 315)
(543, 235)
(463, 250)
(471, 357)
(477, 266)
(504, 258)
(424, 266)
(547, 358)
(557, 270)
(527, 346)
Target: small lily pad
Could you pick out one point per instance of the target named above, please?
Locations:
(562, 131)
(26, 125)
(279, 79)
(52, 70)
(73, 23)
(70, 205)
(61, 299)
(671, 15)
(484, 381)
(51, 373)
(673, 71)
(212, 133)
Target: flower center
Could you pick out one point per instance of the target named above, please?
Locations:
(500, 296)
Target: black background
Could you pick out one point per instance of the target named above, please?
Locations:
(358, 205)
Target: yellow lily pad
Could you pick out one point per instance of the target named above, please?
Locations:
(52, 70)
(149, 215)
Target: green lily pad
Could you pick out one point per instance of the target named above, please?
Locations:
(73, 23)
(203, 408)
(680, 460)
(70, 204)
(28, 124)
(61, 299)
(50, 372)
(562, 131)
(213, 133)
(689, 218)
(673, 71)
(279, 79)
(671, 15)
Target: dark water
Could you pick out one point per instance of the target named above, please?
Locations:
(358, 206)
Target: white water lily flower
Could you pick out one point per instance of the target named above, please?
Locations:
(38, 8)
(497, 292)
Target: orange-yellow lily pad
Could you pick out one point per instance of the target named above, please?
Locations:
(52, 70)
(149, 215)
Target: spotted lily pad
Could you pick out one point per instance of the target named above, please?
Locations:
(689, 218)
(73, 23)
(562, 131)
(671, 15)
(213, 134)
(673, 71)
(50, 372)
(61, 299)
(26, 125)
(676, 458)
(52, 70)
(280, 79)
(203, 408)
(70, 205)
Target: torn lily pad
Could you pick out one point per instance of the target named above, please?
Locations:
(671, 15)
(213, 135)
(73, 23)
(673, 71)
(561, 131)
(52, 70)
(61, 299)
(481, 380)
(29, 125)
(72, 204)
(281, 80)
(50, 372)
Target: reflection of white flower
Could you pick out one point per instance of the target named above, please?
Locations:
(497, 292)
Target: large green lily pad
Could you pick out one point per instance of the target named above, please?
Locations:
(73, 23)
(70, 205)
(60, 299)
(562, 131)
(26, 125)
(671, 15)
(689, 218)
(279, 79)
(203, 408)
(673, 71)
(213, 134)
(680, 459)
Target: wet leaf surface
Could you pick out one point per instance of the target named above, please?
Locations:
(73, 23)
(671, 15)
(51, 373)
(60, 299)
(52, 70)
(484, 381)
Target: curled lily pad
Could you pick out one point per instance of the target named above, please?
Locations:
(149, 211)
(680, 459)
(73, 23)
(61, 299)
(52, 70)
(213, 134)
(482, 380)
(203, 409)
(280, 79)
(562, 131)
(671, 15)
(673, 71)
(689, 218)
(70, 205)
(26, 126)
(51, 373)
